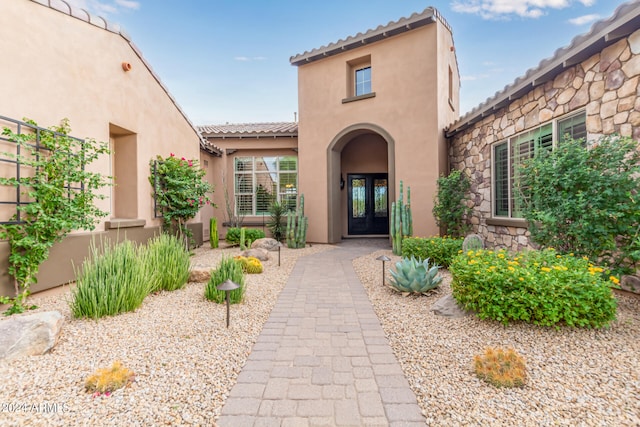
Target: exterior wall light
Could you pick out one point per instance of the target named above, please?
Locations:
(227, 286)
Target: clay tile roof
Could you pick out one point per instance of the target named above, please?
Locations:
(98, 21)
(250, 130)
(416, 20)
(624, 21)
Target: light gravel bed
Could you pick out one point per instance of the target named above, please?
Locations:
(577, 377)
(184, 358)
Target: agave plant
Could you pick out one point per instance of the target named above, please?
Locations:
(414, 276)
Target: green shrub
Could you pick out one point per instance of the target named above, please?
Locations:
(113, 280)
(585, 201)
(440, 250)
(450, 208)
(252, 234)
(228, 269)
(167, 263)
(540, 287)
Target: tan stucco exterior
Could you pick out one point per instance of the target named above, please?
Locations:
(61, 66)
(401, 121)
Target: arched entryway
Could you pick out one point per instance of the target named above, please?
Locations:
(361, 182)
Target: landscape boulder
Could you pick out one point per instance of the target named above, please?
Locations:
(29, 334)
(630, 283)
(261, 254)
(265, 243)
(447, 306)
(200, 275)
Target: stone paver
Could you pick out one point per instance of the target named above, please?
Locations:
(322, 357)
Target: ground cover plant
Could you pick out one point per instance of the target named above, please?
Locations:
(228, 269)
(583, 199)
(440, 250)
(107, 380)
(540, 287)
(113, 280)
(500, 367)
(167, 263)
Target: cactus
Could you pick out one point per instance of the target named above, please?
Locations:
(243, 240)
(500, 367)
(413, 276)
(213, 233)
(401, 220)
(253, 266)
(297, 227)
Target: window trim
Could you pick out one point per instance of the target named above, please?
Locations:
(509, 219)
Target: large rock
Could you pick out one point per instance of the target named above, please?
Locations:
(630, 284)
(199, 276)
(265, 243)
(261, 254)
(448, 307)
(30, 334)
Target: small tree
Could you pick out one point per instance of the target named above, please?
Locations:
(585, 200)
(54, 177)
(450, 208)
(180, 192)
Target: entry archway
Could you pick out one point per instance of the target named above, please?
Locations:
(356, 150)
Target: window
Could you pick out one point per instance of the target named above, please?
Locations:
(363, 81)
(259, 181)
(507, 155)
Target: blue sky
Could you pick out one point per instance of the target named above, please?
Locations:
(228, 60)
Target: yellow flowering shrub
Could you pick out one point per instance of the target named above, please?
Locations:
(540, 287)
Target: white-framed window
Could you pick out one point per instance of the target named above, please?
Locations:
(363, 81)
(259, 181)
(508, 154)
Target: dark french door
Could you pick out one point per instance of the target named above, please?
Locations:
(368, 203)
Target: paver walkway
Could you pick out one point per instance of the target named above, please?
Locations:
(322, 358)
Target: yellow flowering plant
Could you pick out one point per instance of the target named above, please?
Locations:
(540, 287)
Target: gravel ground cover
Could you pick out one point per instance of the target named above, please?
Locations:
(577, 377)
(184, 358)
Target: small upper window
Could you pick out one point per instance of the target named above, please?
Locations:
(363, 81)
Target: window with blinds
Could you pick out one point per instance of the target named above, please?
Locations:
(508, 155)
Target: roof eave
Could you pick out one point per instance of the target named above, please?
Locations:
(428, 16)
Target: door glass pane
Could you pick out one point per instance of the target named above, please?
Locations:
(358, 197)
(380, 198)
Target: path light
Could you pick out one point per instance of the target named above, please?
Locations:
(227, 286)
(279, 246)
(383, 258)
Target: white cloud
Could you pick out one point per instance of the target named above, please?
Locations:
(474, 77)
(503, 9)
(128, 4)
(585, 19)
(248, 59)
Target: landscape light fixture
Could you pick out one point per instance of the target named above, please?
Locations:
(227, 286)
(384, 259)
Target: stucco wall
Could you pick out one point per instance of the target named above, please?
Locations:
(605, 86)
(406, 79)
(57, 66)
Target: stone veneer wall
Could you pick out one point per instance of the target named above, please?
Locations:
(605, 86)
